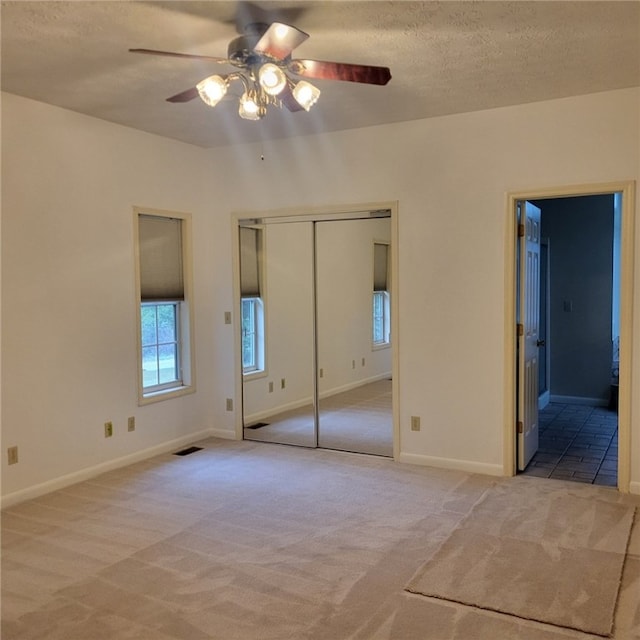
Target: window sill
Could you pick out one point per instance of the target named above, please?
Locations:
(254, 375)
(381, 346)
(165, 394)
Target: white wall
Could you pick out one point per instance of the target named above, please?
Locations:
(69, 183)
(450, 176)
(68, 186)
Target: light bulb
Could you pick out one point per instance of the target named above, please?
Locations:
(212, 89)
(249, 108)
(306, 94)
(281, 30)
(272, 78)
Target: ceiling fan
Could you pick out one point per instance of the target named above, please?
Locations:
(268, 74)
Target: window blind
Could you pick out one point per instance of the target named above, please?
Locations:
(380, 266)
(160, 247)
(250, 262)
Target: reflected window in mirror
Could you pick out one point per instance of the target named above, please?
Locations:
(252, 335)
(381, 324)
(381, 306)
(251, 302)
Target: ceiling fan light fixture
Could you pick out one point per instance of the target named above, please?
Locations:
(272, 78)
(250, 107)
(212, 89)
(262, 57)
(306, 94)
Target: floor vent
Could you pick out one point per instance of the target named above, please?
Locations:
(257, 425)
(187, 451)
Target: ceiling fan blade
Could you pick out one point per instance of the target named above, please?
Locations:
(323, 70)
(155, 52)
(184, 96)
(279, 40)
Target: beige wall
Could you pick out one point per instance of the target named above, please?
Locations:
(69, 183)
(450, 176)
(68, 334)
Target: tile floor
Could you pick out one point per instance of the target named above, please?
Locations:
(577, 443)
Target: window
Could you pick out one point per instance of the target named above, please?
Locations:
(381, 334)
(164, 328)
(160, 330)
(252, 343)
(252, 307)
(381, 327)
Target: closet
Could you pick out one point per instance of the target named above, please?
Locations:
(315, 330)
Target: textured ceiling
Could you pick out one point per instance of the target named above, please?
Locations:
(445, 57)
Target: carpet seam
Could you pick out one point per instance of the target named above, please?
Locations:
(624, 564)
(423, 567)
(458, 524)
(508, 615)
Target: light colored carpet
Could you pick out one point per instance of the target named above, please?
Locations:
(252, 541)
(540, 552)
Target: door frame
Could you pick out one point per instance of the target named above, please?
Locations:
(627, 189)
(545, 242)
(319, 213)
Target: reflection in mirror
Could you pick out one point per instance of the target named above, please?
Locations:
(276, 275)
(354, 349)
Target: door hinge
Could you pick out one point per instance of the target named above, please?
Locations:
(520, 329)
(520, 231)
(520, 427)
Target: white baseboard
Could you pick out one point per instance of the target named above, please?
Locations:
(354, 385)
(589, 402)
(91, 472)
(453, 464)
(225, 434)
(543, 400)
(634, 487)
(265, 415)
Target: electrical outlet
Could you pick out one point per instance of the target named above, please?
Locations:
(227, 317)
(131, 423)
(108, 429)
(229, 404)
(271, 387)
(283, 383)
(12, 455)
(415, 423)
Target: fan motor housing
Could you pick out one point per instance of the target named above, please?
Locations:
(241, 49)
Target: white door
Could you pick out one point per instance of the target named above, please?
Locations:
(528, 330)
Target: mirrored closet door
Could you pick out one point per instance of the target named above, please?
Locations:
(277, 315)
(353, 334)
(316, 349)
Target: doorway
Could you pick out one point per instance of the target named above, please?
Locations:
(578, 400)
(579, 332)
(322, 371)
